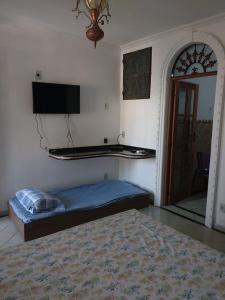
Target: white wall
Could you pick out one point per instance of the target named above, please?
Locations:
(63, 59)
(69, 59)
(140, 119)
(206, 96)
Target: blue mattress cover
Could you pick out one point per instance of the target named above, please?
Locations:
(84, 197)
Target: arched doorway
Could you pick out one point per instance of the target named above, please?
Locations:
(193, 37)
(190, 123)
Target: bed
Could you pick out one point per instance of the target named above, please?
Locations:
(81, 204)
(123, 256)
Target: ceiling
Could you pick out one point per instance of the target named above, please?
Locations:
(131, 19)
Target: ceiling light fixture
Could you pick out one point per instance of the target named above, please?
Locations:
(94, 13)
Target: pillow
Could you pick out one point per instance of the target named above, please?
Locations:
(36, 201)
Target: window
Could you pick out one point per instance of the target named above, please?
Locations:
(196, 59)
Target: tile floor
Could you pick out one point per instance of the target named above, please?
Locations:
(193, 207)
(198, 232)
(9, 236)
(196, 203)
(182, 212)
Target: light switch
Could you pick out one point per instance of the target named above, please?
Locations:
(106, 106)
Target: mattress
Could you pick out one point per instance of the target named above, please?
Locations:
(124, 256)
(84, 197)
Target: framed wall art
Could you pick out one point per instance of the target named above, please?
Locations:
(137, 74)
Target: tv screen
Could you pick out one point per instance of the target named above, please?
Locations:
(52, 98)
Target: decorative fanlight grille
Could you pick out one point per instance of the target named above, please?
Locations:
(198, 58)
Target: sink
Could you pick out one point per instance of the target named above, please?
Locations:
(139, 152)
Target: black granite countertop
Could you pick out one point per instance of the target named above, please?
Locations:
(102, 151)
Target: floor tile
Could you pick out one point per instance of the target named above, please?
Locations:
(198, 232)
(9, 236)
(196, 203)
(187, 214)
(15, 240)
(7, 232)
(4, 222)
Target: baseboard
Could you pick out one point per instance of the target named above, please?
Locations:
(219, 228)
(4, 213)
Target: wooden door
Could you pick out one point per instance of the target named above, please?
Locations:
(182, 140)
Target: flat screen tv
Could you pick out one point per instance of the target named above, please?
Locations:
(52, 98)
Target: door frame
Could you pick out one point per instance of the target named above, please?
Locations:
(170, 135)
(192, 37)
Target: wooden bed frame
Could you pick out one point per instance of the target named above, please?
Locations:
(39, 228)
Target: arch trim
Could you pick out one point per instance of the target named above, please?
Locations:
(193, 37)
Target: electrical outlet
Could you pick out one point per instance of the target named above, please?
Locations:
(222, 208)
(38, 76)
(106, 176)
(123, 134)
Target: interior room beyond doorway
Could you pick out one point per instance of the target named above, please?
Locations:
(192, 100)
